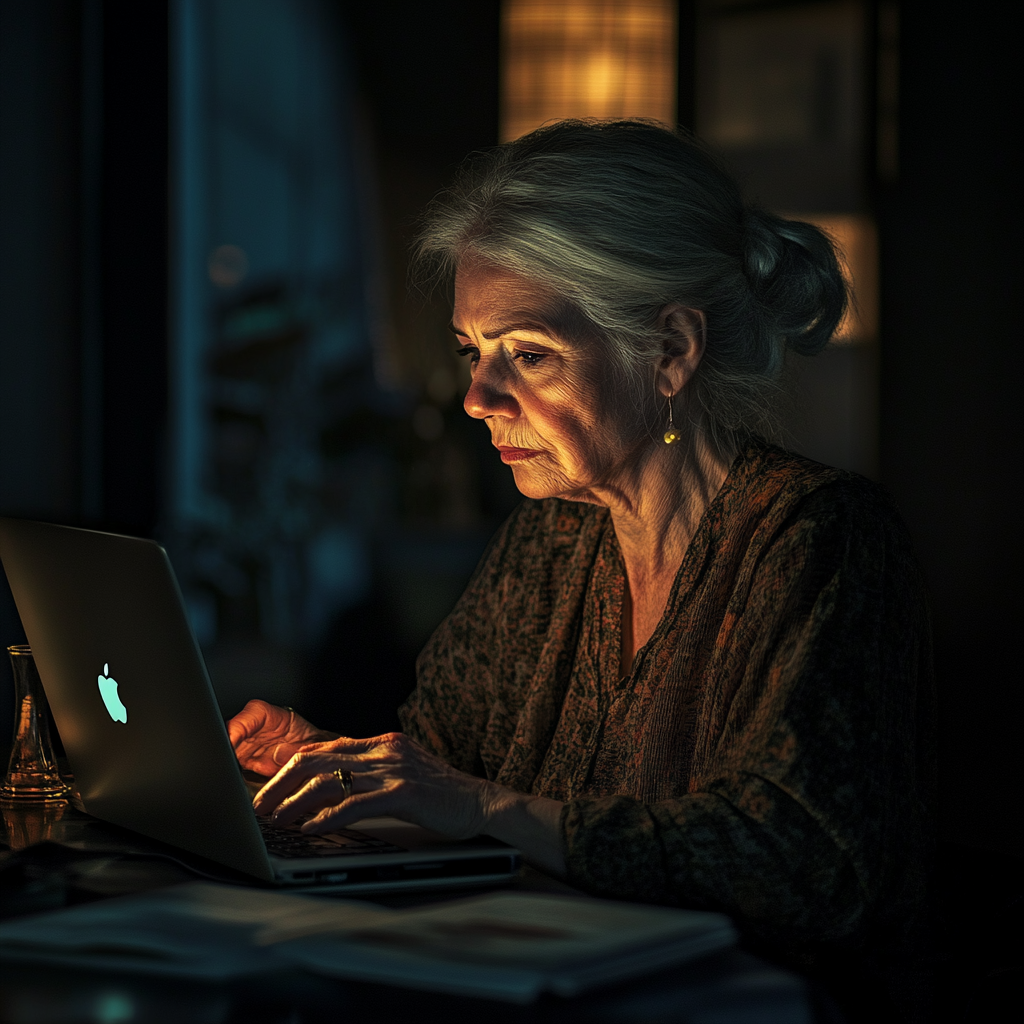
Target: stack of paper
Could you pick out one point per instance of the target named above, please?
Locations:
(512, 945)
(508, 945)
(199, 929)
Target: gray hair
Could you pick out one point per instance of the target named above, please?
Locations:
(622, 218)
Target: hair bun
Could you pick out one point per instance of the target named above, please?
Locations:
(762, 247)
(794, 274)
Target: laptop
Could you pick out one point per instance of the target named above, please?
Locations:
(141, 728)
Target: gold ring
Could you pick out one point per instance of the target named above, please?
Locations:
(345, 778)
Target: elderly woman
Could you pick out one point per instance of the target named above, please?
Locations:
(691, 668)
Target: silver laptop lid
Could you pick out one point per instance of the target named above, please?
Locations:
(129, 690)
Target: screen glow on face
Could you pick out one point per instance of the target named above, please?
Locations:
(559, 414)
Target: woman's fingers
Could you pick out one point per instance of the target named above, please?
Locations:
(299, 770)
(290, 779)
(318, 792)
(359, 756)
(256, 731)
(346, 745)
(372, 804)
(392, 775)
(265, 736)
(255, 718)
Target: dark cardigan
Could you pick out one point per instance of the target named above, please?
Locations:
(770, 753)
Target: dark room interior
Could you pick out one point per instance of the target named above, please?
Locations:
(211, 337)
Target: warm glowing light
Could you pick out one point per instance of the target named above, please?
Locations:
(587, 58)
(857, 239)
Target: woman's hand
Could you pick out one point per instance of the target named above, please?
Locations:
(391, 775)
(265, 736)
(394, 776)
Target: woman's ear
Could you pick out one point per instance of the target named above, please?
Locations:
(685, 333)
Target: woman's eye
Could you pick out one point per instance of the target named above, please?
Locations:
(530, 358)
(469, 350)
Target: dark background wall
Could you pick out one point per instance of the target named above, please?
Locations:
(951, 399)
(83, 271)
(39, 259)
(83, 277)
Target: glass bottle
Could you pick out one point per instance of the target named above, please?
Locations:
(32, 771)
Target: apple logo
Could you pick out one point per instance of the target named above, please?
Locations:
(108, 691)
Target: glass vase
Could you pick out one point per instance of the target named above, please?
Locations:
(32, 772)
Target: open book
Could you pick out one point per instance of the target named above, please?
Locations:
(505, 945)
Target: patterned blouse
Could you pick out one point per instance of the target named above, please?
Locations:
(769, 755)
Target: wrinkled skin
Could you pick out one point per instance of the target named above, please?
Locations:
(391, 775)
(570, 427)
(552, 393)
(265, 737)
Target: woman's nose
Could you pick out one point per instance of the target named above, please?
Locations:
(488, 394)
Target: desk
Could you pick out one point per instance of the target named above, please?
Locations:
(56, 856)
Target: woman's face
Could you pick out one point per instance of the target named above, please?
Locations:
(558, 411)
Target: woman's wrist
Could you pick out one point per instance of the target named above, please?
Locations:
(530, 823)
(496, 803)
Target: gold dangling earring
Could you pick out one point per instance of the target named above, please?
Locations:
(671, 435)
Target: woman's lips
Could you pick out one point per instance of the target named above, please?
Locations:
(516, 454)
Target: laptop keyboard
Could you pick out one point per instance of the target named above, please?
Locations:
(292, 844)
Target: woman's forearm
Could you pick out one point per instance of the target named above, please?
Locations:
(532, 824)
